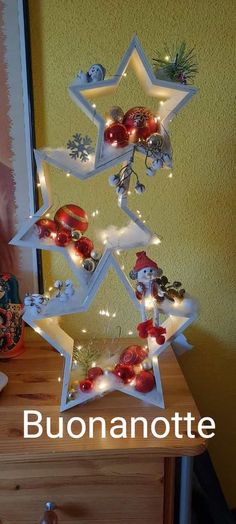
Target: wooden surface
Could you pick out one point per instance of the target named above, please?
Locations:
(33, 384)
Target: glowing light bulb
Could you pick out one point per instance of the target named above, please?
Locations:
(170, 175)
(84, 330)
(167, 58)
(130, 333)
(38, 184)
(30, 216)
(161, 102)
(94, 106)
(67, 174)
(50, 288)
(124, 74)
(59, 379)
(47, 215)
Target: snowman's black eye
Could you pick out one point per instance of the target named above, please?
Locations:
(144, 270)
(150, 270)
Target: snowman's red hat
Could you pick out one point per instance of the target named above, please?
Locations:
(143, 261)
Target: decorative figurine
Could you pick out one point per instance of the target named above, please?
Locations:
(35, 302)
(96, 73)
(11, 323)
(148, 292)
(65, 289)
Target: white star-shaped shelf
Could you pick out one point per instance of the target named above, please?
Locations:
(174, 96)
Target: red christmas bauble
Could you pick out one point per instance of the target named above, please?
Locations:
(144, 382)
(71, 217)
(94, 373)
(63, 238)
(133, 355)
(140, 123)
(125, 372)
(86, 385)
(116, 135)
(46, 228)
(83, 247)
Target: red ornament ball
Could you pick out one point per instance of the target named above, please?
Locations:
(116, 135)
(83, 247)
(125, 372)
(86, 385)
(144, 382)
(71, 217)
(46, 228)
(133, 355)
(94, 373)
(140, 123)
(63, 238)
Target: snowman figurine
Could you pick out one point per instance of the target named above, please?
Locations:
(149, 294)
(96, 73)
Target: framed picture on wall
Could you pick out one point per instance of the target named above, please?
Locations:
(18, 187)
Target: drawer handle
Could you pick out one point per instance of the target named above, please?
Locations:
(49, 517)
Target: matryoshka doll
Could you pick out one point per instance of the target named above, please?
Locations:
(11, 323)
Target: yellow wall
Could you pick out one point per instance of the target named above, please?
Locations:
(194, 210)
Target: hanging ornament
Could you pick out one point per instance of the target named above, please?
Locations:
(46, 228)
(89, 265)
(147, 364)
(115, 114)
(144, 382)
(155, 141)
(124, 372)
(133, 355)
(94, 373)
(140, 123)
(116, 135)
(95, 255)
(139, 188)
(75, 235)
(72, 217)
(63, 238)
(83, 247)
(86, 385)
(71, 394)
(114, 180)
(120, 190)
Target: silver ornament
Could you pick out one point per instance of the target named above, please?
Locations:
(71, 394)
(120, 190)
(76, 235)
(155, 141)
(147, 364)
(139, 188)
(95, 255)
(150, 171)
(88, 264)
(116, 114)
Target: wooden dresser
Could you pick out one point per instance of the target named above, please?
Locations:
(91, 481)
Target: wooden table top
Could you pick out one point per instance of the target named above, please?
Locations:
(33, 384)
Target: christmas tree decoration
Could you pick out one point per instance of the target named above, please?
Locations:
(140, 123)
(94, 373)
(144, 382)
(96, 73)
(115, 114)
(80, 147)
(125, 372)
(116, 135)
(46, 228)
(11, 322)
(72, 217)
(132, 370)
(83, 247)
(178, 65)
(63, 237)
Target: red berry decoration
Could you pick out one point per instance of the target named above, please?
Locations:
(86, 385)
(63, 238)
(71, 217)
(94, 373)
(83, 247)
(133, 355)
(116, 135)
(144, 382)
(140, 123)
(125, 372)
(46, 228)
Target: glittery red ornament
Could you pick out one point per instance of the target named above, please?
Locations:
(144, 382)
(116, 135)
(125, 372)
(46, 228)
(140, 123)
(133, 355)
(83, 247)
(71, 217)
(94, 373)
(63, 238)
(86, 385)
